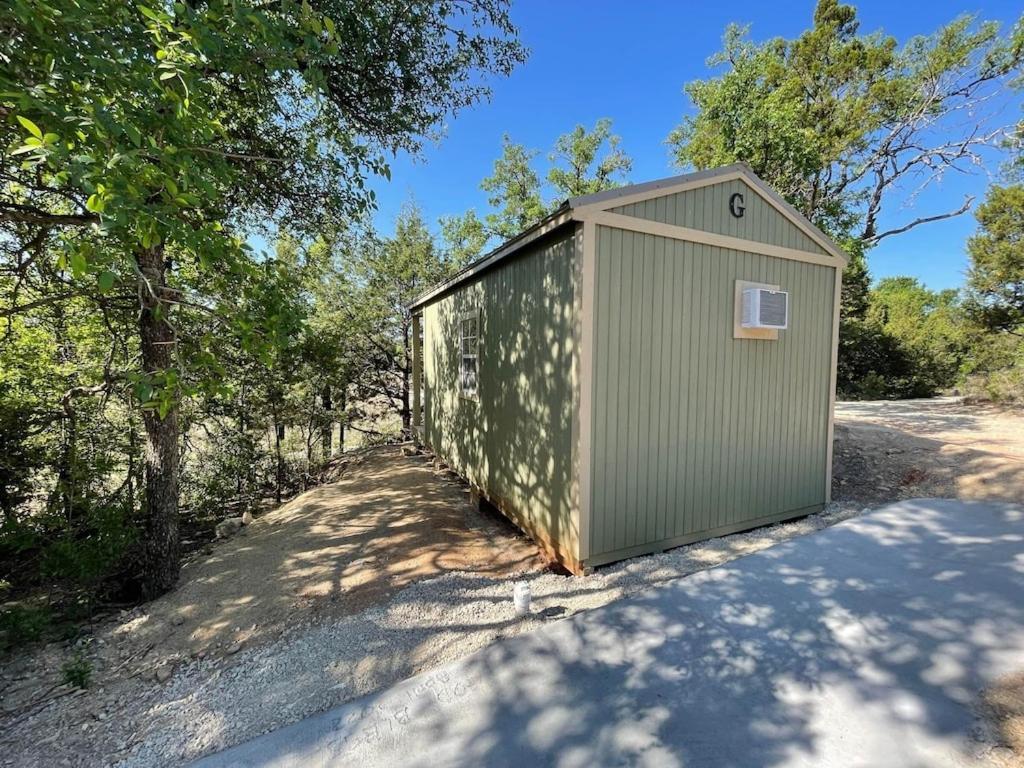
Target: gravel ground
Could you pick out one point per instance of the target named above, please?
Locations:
(211, 703)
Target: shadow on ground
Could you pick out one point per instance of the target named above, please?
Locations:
(341, 547)
(864, 644)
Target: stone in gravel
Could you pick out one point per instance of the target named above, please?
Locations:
(164, 672)
(178, 621)
(228, 527)
(232, 649)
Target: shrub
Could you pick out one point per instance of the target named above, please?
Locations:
(23, 623)
(874, 365)
(77, 670)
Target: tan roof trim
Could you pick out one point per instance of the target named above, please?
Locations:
(613, 198)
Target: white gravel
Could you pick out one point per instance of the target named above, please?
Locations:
(209, 704)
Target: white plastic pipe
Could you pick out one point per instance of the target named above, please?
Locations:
(521, 598)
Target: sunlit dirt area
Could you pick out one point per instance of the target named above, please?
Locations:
(890, 450)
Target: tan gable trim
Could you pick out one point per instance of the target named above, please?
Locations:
(647, 226)
(588, 205)
(837, 298)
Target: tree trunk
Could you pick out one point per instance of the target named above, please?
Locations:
(278, 437)
(342, 404)
(325, 428)
(240, 418)
(133, 453)
(68, 461)
(6, 506)
(311, 431)
(160, 544)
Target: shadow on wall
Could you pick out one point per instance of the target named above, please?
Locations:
(865, 644)
(515, 439)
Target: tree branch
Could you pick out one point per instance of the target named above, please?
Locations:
(11, 311)
(21, 214)
(873, 240)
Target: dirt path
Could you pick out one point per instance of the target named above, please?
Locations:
(336, 550)
(886, 451)
(333, 551)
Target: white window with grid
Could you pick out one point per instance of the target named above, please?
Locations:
(469, 357)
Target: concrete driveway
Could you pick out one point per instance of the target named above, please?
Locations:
(863, 645)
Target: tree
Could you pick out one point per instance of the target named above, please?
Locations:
(464, 236)
(995, 279)
(841, 122)
(391, 273)
(928, 324)
(583, 173)
(513, 189)
(141, 142)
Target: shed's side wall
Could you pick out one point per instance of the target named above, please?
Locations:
(707, 208)
(516, 442)
(696, 433)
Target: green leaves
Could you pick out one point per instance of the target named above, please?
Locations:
(996, 275)
(833, 119)
(143, 391)
(514, 189)
(31, 127)
(583, 173)
(78, 264)
(38, 142)
(106, 281)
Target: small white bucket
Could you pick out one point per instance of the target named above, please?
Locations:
(521, 598)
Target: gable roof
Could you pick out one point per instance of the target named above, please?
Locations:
(577, 209)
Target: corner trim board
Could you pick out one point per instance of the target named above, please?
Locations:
(588, 290)
(837, 298)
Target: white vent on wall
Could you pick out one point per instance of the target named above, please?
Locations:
(764, 308)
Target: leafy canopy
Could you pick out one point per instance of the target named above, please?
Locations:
(577, 170)
(513, 190)
(837, 120)
(516, 192)
(995, 281)
(179, 126)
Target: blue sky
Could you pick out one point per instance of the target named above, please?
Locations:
(629, 61)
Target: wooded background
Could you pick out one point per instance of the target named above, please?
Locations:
(158, 375)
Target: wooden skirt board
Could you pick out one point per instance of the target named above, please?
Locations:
(690, 538)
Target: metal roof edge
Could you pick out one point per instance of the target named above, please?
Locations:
(564, 214)
(557, 218)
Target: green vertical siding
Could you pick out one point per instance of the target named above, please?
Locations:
(516, 441)
(707, 208)
(695, 432)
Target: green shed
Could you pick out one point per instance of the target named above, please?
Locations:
(646, 367)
